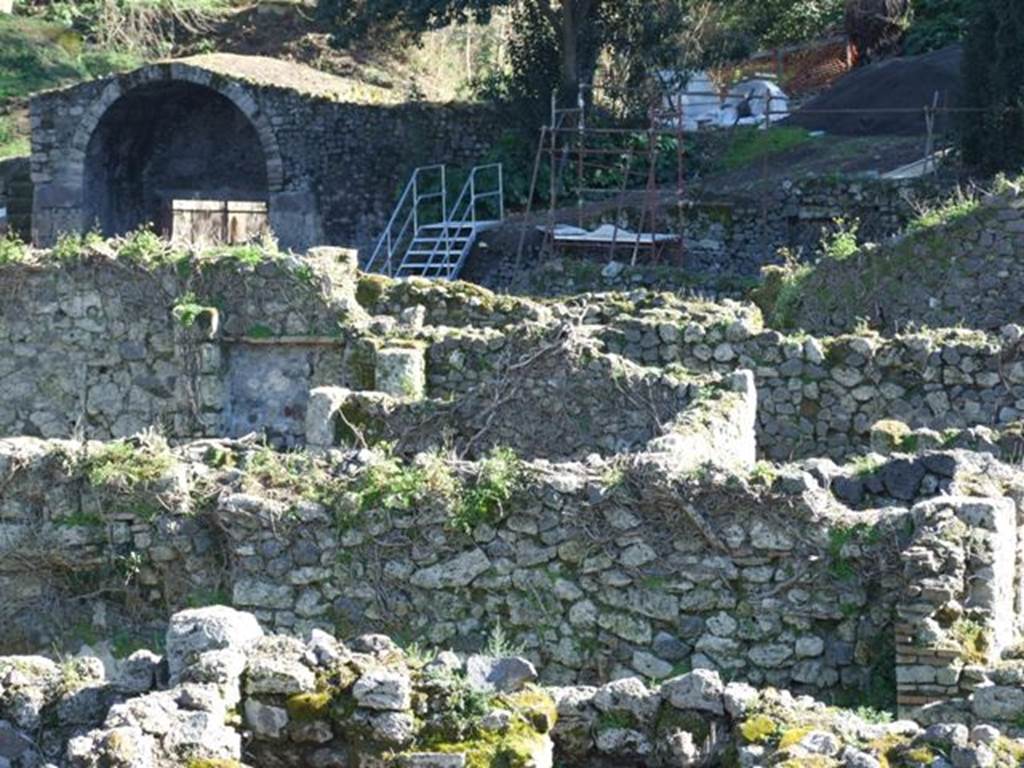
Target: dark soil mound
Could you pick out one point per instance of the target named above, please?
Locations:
(904, 83)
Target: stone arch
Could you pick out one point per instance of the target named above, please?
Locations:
(131, 128)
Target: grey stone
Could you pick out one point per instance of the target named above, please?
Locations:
(192, 632)
(383, 689)
(266, 721)
(506, 675)
(457, 572)
(700, 690)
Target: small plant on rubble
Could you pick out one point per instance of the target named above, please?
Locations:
(144, 247)
(129, 465)
(500, 475)
(12, 250)
(187, 310)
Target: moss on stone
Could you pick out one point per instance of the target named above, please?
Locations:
(370, 289)
(304, 707)
(361, 362)
(515, 748)
(212, 762)
(758, 729)
(792, 736)
(536, 706)
(889, 436)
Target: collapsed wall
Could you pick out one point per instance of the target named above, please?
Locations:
(225, 692)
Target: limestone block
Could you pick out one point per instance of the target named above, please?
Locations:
(401, 372)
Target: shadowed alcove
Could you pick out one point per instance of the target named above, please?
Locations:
(169, 140)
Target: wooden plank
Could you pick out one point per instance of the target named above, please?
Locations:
(204, 223)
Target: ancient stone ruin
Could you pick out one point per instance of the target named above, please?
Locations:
(323, 156)
(619, 529)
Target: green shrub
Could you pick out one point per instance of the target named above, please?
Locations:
(12, 249)
(842, 243)
(144, 247)
(126, 467)
(71, 246)
(485, 501)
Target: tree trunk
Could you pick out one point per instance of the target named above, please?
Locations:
(876, 27)
(570, 47)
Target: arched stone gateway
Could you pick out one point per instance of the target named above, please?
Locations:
(327, 155)
(164, 141)
(163, 131)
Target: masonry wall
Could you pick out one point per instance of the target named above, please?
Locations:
(334, 169)
(962, 271)
(596, 578)
(733, 236)
(96, 346)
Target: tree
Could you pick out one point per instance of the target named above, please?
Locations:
(993, 73)
(575, 22)
(771, 23)
(876, 27)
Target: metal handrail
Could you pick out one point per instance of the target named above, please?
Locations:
(458, 219)
(389, 244)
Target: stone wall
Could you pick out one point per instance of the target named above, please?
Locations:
(730, 237)
(286, 326)
(94, 347)
(225, 691)
(598, 570)
(821, 396)
(963, 269)
(334, 162)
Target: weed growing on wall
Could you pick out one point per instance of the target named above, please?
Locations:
(842, 535)
(485, 501)
(126, 467)
(958, 207)
(188, 310)
(124, 474)
(145, 248)
(973, 640)
(12, 250)
(72, 247)
(842, 243)
(499, 645)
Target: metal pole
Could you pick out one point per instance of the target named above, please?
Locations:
(581, 139)
(416, 201)
(501, 192)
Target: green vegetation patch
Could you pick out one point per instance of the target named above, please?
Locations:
(485, 501)
(752, 144)
(36, 55)
(13, 250)
(126, 467)
(11, 143)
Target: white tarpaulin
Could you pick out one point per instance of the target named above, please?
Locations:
(608, 233)
(702, 106)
